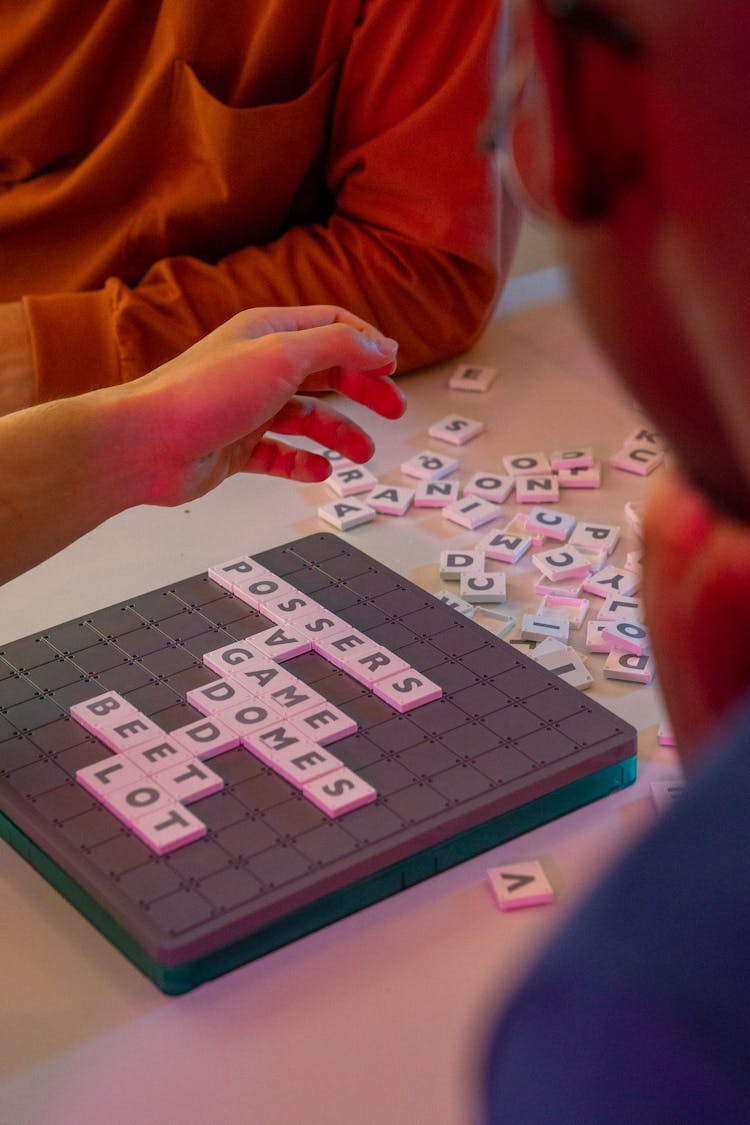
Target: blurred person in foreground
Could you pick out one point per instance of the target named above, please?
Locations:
(628, 123)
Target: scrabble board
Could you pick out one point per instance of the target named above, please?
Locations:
(505, 748)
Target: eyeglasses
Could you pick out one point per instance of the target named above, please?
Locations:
(519, 132)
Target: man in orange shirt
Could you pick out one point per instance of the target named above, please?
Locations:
(163, 166)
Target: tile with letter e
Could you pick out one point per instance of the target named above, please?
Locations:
(189, 781)
(520, 884)
(324, 723)
(157, 753)
(340, 792)
(302, 764)
(472, 377)
(133, 730)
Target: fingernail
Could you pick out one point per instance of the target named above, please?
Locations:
(382, 344)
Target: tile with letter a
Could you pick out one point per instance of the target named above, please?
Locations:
(346, 514)
(339, 792)
(520, 884)
(388, 500)
(280, 643)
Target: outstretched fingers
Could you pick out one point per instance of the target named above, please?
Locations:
(322, 423)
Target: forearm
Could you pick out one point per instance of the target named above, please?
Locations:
(16, 360)
(65, 467)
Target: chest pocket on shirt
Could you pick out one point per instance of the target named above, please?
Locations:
(227, 177)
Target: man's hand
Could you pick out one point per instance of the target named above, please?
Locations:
(16, 359)
(216, 410)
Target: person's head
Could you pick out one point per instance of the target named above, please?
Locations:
(634, 132)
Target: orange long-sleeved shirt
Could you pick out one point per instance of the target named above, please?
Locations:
(164, 165)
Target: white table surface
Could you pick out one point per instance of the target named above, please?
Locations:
(381, 1017)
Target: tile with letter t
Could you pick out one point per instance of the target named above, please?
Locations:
(169, 828)
(520, 884)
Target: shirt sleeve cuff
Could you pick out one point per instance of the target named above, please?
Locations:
(73, 342)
